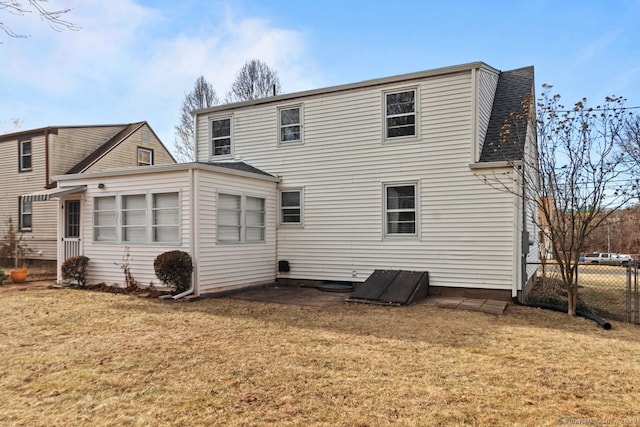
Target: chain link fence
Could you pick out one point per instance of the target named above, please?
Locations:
(609, 291)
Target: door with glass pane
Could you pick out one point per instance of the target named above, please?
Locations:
(71, 239)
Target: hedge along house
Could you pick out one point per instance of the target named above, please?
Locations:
(333, 183)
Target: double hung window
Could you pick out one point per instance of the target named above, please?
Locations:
(290, 120)
(400, 210)
(25, 214)
(291, 207)
(400, 114)
(221, 137)
(25, 156)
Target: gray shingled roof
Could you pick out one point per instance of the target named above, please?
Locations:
(238, 166)
(513, 87)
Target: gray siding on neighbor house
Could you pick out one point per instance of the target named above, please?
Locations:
(466, 228)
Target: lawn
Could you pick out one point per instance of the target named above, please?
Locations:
(73, 357)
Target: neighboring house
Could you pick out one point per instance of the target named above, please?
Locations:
(32, 157)
(338, 182)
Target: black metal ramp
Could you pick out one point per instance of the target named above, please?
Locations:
(397, 287)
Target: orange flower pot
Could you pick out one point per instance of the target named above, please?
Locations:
(19, 275)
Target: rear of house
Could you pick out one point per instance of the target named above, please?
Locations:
(339, 182)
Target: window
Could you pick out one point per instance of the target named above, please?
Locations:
(229, 218)
(400, 209)
(254, 219)
(25, 156)
(400, 114)
(221, 137)
(25, 214)
(166, 217)
(290, 124)
(137, 218)
(104, 219)
(134, 218)
(291, 207)
(241, 219)
(145, 157)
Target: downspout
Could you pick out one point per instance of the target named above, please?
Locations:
(192, 237)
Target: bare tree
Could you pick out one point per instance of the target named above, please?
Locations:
(577, 178)
(203, 95)
(254, 80)
(53, 17)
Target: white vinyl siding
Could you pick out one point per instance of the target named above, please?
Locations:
(290, 123)
(25, 156)
(488, 81)
(342, 166)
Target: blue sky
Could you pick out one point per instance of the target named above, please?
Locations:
(135, 60)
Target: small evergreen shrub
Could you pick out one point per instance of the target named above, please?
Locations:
(174, 269)
(75, 268)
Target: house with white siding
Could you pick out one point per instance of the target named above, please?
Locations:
(330, 185)
(31, 158)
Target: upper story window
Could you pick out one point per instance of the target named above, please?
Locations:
(400, 210)
(25, 156)
(145, 156)
(25, 215)
(291, 207)
(290, 122)
(221, 137)
(400, 114)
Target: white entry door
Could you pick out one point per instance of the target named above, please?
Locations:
(72, 246)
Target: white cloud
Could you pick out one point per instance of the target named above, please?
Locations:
(132, 62)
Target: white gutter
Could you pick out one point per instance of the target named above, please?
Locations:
(192, 234)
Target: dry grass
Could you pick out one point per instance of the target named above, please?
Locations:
(85, 358)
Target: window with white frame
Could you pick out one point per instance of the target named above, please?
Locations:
(25, 214)
(291, 207)
(241, 219)
(137, 218)
(254, 219)
(290, 121)
(105, 219)
(165, 217)
(145, 157)
(400, 209)
(134, 218)
(221, 137)
(400, 114)
(25, 156)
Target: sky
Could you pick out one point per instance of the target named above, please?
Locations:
(134, 60)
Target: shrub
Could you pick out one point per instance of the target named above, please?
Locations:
(3, 276)
(75, 268)
(174, 269)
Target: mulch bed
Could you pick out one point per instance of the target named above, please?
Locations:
(134, 291)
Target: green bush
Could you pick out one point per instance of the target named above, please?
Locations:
(2, 276)
(75, 268)
(174, 269)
